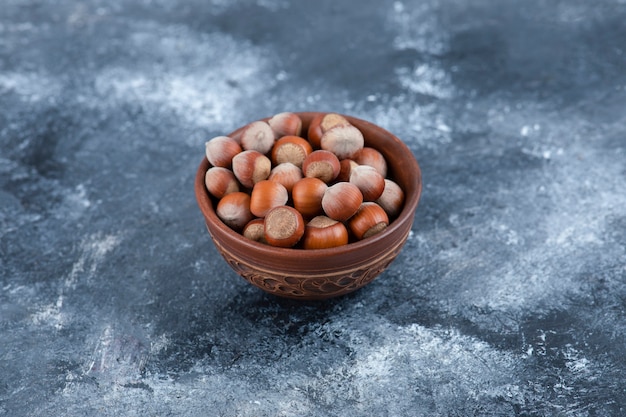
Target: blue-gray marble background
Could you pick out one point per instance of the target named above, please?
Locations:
(509, 298)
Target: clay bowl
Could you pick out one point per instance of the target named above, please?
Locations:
(321, 273)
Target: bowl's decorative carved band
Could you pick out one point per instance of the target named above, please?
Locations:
(320, 286)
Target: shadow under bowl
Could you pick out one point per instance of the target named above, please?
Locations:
(321, 273)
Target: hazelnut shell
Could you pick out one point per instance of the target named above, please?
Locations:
(251, 167)
(220, 181)
(323, 232)
(234, 210)
(285, 124)
(369, 181)
(266, 195)
(321, 164)
(369, 220)
(307, 196)
(220, 151)
(341, 201)
(284, 226)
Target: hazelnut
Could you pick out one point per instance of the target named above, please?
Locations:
(321, 123)
(343, 140)
(234, 210)
(372, 157)
(255, 230)
(220, 151)
(292, 149)
(323, 232)
(392, 198)
(341, 201)
(257, 136)
(369, 181)
(307, 196)
(220, 181)
(286, 174)
(285, 124)
(321, 164)
(251, 167)
(284, 226)
(369, 220)
(266, 195)
(345, 168)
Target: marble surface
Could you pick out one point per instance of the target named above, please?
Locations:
(509, 298)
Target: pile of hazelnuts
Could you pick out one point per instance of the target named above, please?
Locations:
(276, 187)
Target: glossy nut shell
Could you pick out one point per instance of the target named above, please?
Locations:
(307, 196)
(369, 220)
(341, 201)
(266, 195)
(220, 181)
(234, 210)
(323, 232)
(251, 167)
(284, 226)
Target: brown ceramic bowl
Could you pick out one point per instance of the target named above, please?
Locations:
(321, 273)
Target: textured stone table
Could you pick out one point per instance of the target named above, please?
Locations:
(508, 299)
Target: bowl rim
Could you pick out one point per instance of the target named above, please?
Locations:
(408, 210)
